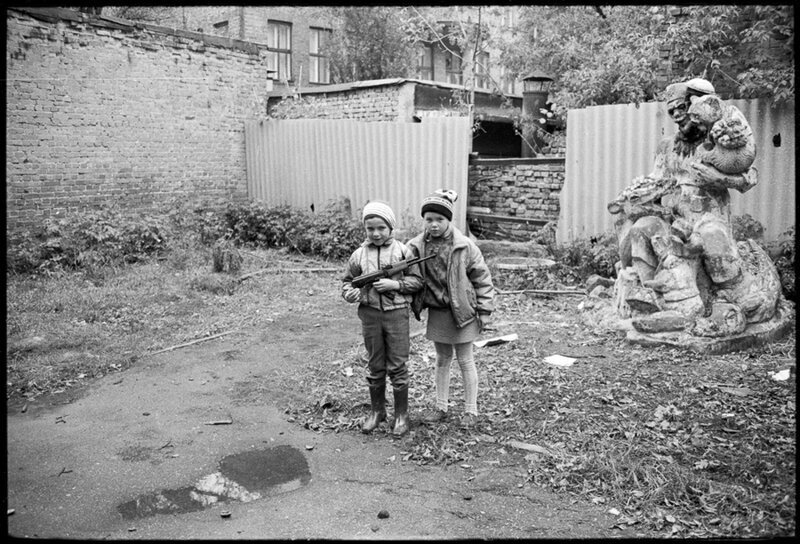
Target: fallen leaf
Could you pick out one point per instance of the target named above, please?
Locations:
(738, 391)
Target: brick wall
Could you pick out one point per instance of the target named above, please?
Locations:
(519, 188)
(381, 103)
(99, 111)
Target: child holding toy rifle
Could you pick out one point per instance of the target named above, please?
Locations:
(383, 308)
(459, 295)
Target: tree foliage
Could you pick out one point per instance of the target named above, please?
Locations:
(374, 42)
(751, 46)
(594, 59)
(611, 55)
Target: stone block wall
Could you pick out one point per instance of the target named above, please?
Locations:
(518, 188)
(101, 111)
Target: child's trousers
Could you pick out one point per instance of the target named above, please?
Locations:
(386, 338)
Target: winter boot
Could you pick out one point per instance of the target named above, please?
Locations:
(400, 412)
(377, 397)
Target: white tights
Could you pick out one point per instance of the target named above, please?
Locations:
(469, 374)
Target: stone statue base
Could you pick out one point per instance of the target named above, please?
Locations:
(754, 335)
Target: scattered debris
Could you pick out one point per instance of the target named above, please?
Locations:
(220, 422)
(528, 447)
(496, 340)
(541, 292)
(559, 360)
(738, 391)
(781, 376)
(284, 270)
(213, 336)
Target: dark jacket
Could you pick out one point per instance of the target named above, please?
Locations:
(469, 281)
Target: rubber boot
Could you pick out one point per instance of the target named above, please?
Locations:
(377, 397)
(400, 412)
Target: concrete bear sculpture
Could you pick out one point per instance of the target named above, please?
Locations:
(730, 146)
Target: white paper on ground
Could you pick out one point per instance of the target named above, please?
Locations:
(559, 360)
(782, 375)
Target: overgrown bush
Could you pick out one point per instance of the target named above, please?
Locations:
(192, 226)
(86, 240)
(587, 256)
(331, 234)
(782, 252)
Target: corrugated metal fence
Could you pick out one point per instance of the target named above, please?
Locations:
(307, 162)
(608, 146)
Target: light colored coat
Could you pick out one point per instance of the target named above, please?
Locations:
(368, 258)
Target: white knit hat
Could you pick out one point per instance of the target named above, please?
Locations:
(382, 210)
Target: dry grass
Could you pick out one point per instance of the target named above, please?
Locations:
(64, 331)
(679, 445)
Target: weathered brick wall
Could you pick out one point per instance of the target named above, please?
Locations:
(99, 111)
(385, 103)
(521, 188)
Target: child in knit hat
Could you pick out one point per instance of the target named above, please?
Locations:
(383, 309)
(459, 296)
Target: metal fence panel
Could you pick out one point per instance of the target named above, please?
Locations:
(307, 162)
(608, 146)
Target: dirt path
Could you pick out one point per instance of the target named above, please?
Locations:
(75, 460)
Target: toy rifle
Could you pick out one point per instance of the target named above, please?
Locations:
(386, 272)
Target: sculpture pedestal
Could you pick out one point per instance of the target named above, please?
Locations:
(755, 335)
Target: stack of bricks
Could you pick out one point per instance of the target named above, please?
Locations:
(518, 188)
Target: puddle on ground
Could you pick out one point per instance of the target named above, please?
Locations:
(243, 477)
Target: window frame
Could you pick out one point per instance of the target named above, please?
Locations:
(454, 75)
(482, 80)
(425, 53)
(317, 60)
(279, 58)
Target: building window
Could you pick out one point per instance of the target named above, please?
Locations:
(452, 63)
(279, 44)
(508, 81)
(319, 69)
(509, 18)
(425, 62)
(482, 71)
